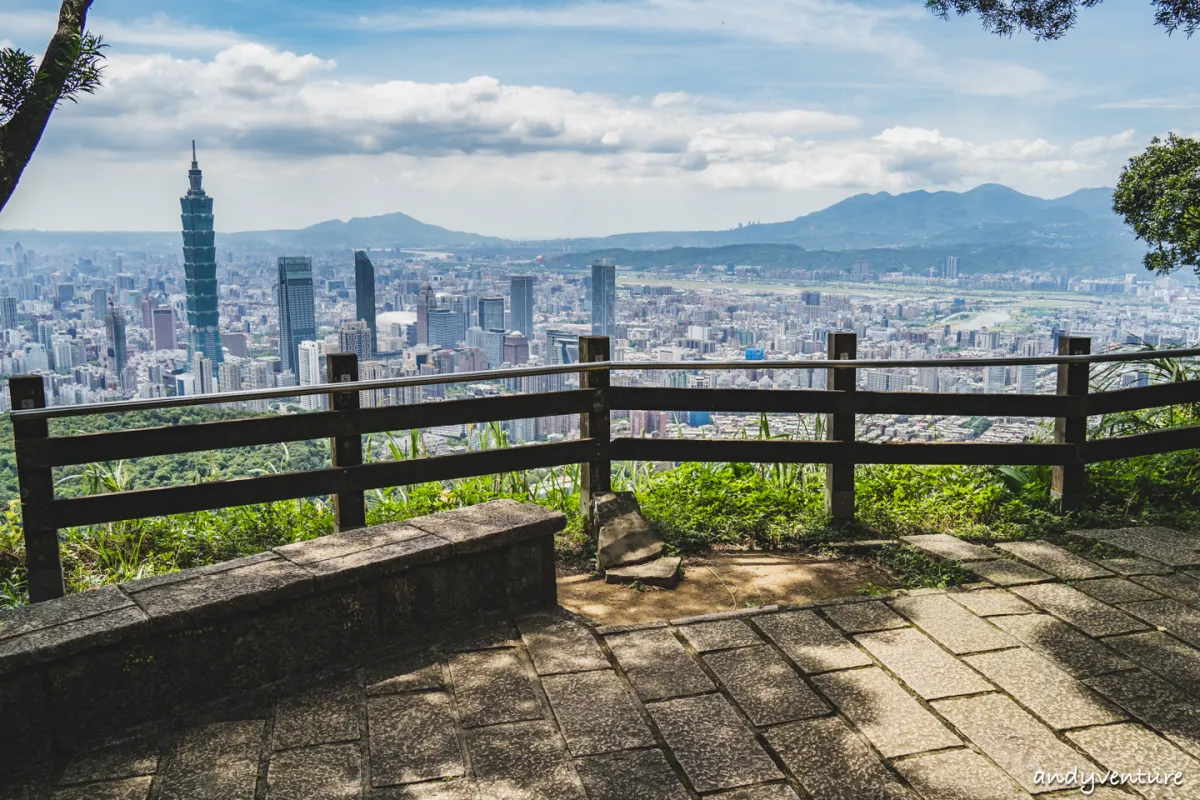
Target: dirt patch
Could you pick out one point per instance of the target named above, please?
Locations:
(721, 582)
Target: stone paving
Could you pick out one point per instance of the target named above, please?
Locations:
(960, 694)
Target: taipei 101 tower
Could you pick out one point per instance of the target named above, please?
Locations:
(200, 269)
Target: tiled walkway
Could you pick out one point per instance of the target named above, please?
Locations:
(1056, 663)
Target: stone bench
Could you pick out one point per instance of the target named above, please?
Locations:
(78, 670)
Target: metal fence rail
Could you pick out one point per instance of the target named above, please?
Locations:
(346, 423)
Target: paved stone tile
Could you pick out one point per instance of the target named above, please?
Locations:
(496, 635)
(1055, 560)
(1168, 710)
(635, 775)
(1006, 572)
(711, 743)
(1133, 565)
(928, 669)
(811, 642)
(1012, 738)
(457, 789)
(1115, 590)
(559, 645)
(73, 607)
(491, 687)
(720, 635)
(764, 685)
(1056, 697)
(1131, 748)
(127, 789)
(412, 738)
(864, 617)
(318, 716)
(951, 624)
(1086, 613)
(1170, 615)
(886, 714)
(765, 791)
(943, 545)
(519, 761)
(657, 665)
(404, 673)
(959, 775)
(1062, 645)
(326, 772)
(595, 713)
(1158, 544)
(992, 602)
(832, 763)
(1161, 654)
(1179, 586)
(214, 762)
(126, 760)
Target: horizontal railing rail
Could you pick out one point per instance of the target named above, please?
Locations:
(345, 425)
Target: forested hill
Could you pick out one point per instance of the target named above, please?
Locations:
(148, 473)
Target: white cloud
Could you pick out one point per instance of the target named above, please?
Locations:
(1097, 145)
(157, 31)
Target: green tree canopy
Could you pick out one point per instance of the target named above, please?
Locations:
(1159, 197)
(1050, 19)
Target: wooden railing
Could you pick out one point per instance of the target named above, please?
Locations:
(38, 453)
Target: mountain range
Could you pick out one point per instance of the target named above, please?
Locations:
(988, 216)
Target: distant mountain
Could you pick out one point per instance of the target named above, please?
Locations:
(388, 230)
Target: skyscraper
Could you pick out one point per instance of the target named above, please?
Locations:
(8, 313)
(425, 301)
(604, 298)
(114, 329)
(200, 269)
(491, 313)
(297, 312)
(520, 303)
(364, 296)
(164, 328)
(443, 328)
(354, 337)
(310, 375)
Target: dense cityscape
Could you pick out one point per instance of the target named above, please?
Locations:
(105, 325)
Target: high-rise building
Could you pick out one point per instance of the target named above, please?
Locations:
(354, 337)
(1027, 379)
(426, 301)
(100, 302)
(147, 305)
(950, 267)
(994, 379)
(493, 348)
(520, 303)
(8, 313)
(235, 343)
(516, 349)
(491, 313)
(311, 375)
(164, 328)
(443, 328)
(364, 296)
(259, 376)
(229, 376)
(604, 298)
(114, 329)
(202, 374)
(297, 312)
(64, 358)
(200, 269)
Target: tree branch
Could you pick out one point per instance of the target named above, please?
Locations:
(19, 137)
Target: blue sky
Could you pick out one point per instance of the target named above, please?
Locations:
(535, 119)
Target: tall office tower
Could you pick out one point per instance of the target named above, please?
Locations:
(100, 302)
(516, 349)
(994, 379)
(491, 313)
(297, 312)
(354, 337)
(202, 374)
(311, 375)
(229, 376)
(199, 269)
(364, 296)
(554, 340)
(604, 298)
(64, 358)
(235, 343)
(927, 377)
(45, 333)
(1027, 379)
(951, 267)
(520, 303)
(493, 348)
(425, 302)
(457, 304)
(8, 313)
(164, 328)
(147, 305)
(114, 329)
(444, 328)
(259, 376)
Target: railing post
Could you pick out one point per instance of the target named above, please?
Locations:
(42, 559)
(349, 508)
(1069, 481)
(839, 427)
(595, 477)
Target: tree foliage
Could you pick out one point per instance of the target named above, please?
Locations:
(1159, 197)
(1051, 19)
(70, 67)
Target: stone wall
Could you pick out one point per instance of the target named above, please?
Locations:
(77, 670)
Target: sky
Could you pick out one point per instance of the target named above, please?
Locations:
(550, 118)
